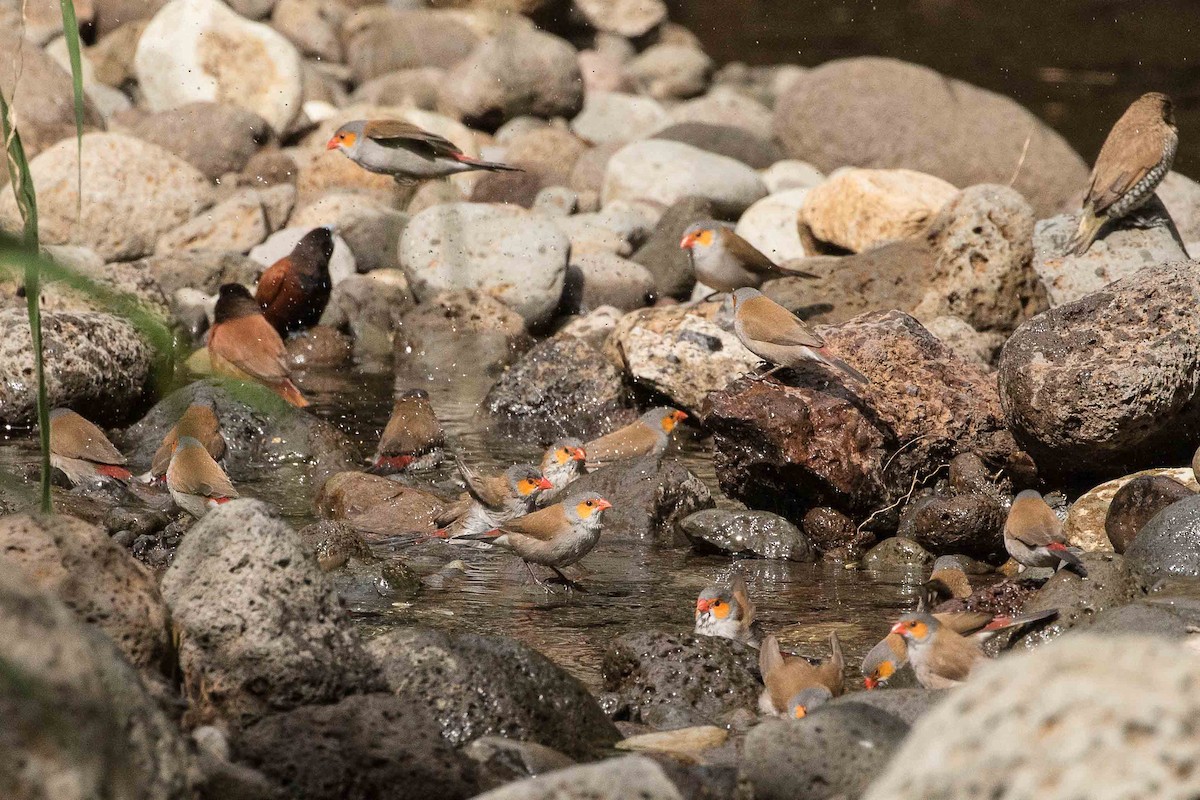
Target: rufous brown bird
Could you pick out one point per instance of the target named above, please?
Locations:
(404, 151)
(776, 335)
(726, 611)
(1136, 156)
(243, 345)
(1033, 535)
(492, 499)
(556, 536)
(413, 439)
(200, 422)
(81, 450)
(562, 463)
(196, 482)
(724, 261)
(294, 291)
(787, 677)
(649, 433)
(940, 657)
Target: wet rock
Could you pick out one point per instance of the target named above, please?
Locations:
(661, 254)
(258, 427)
(733, 108)
(858, 209)
(896, 553)
(667, 172)
(215, 138)
(503, 761)
(1136, 503)
(118, 277)
(704, 676)
(612, 779)
(605, 279)
(671, 71)
(742, 533)
(371, 308)
(147, 192)
(370, 229)
(334, 543)
(724, 140)
(1169, 544)
(519, 71)
(261, 628)
(379, 40)
(1149, 617)
(282, 242)
(233, 225)
(948, 523)
(204, 271)
(1085, 523)
(835, 751)
(649, 496)
(1148, 239)
(628, 18)
(1060, 697)
(365, 746)
(813, 441)
(183, 57)
(907, 704)
(138, 521)
(89, 726)
(1133, 345)
(1110, 583)
(520, 260)
(835, 535)
(460, 333)
(883, 113)
(96, 578)
(1181, 196)
(770, 225)
(475, 686)
(93, 361)
(319, 347)
(615, 117)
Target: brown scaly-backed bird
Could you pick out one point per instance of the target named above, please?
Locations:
(776, 335)
(200, 422)
(492, 499)
(724, 261)
(404, 151)
(649, 433)
(243, 345)
(196, 482)
(787, 677)
(294, 291)
(1033, 535)
(81, 450)
(1136, 156)
(726, 611)
(413, 439)
(562, 463)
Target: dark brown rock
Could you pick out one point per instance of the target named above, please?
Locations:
(955, 523)
(318, 347)
(650, 495)
(1136, 503)
(835, 534)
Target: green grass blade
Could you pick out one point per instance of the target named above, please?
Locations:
(71, 33)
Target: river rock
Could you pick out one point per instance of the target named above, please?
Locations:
(661, 253)
(528, 697)
(1169, 544)
(1060, 697)
(725, 140)
(791, 174)
(834, 751)
(731, 107)
(835, 535)
(97, 579)
(234, 225)
(204, 271)
(1136, 503)
(186, 51)
(370, 229)
(551, 150)
(819, 440)
(605, 279)
(612, 779)
(519, 71)
(742, 533)
(1133, 344)
(770, 225)
(959, 336)
(703, 678)
(416, 87)
(1110, 583)
(520, 260)
(380, 39)
(1085, 525)
(1143, 240)
(146, 192)
(370, 307)
(373, 743)
(1173, 618)
(214, 137)
(883, 113)
(671, 71)
(93, 361)
(627, 18)
(649, 496)
(614, 117)
(243, 591)
(896, 553)
(858, 209)
(312, 26)
(956, 522)
(1181, 196)
(908, 704)
(666, 172)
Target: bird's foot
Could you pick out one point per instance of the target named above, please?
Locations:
(568, 583)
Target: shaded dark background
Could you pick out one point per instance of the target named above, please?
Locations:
(1075, 63)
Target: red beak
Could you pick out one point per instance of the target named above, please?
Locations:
(680, 416)
(870, 683)
(702, 606)
(602, 504)
(333, 143)
(542, 483)
(579, 454)
(687, 241)
(899, 628)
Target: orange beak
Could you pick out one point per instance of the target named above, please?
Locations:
(542, 483)
(900, 628)
(702, 606)
(333, 143)
(579, 454)
(679, 416)
(870, 683)
(687, 241)
(602, 504)
(801, 712)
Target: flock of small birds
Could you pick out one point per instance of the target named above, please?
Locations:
(530, 509)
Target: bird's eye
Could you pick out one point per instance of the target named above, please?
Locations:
(718, 603)
(590, 503)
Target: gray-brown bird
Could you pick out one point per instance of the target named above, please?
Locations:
(562, 463)
(492, 500)
(1133, 161)
(940, 657)
(1033, 534)
(649, 433)
(413, 439)
(404, 151)
(724, 261)
(726, 612)
(785, 678)
(196, 482)
(81, 450)
(200, 422)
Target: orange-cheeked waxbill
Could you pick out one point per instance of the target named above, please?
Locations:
(724, 261)
(493, 499)
(940, 657)
(562, 463)
(404, 151)
(786, 677)
(243, 345)
(294, 291)
(81, 450)
(648, 434)
(726, 612)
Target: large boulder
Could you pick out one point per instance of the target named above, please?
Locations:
(261, 627)
(1102, 718)
(379, 40)
(649, 496)
(665, 172)
(215, 138)
(884, 113)
(1103, 386)
(1169, 544)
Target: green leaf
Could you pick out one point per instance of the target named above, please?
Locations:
(71, 34)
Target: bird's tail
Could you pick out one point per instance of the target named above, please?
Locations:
(1069, 557)
(288, 391)
(491, 166)
(1089, 228)
(389, 465)
(835, 652)
(792, 272)
(831, 360)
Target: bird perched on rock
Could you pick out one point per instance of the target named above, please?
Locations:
(562, 463)
(787, 677)
(493, 499)
(196, 482)
(1136, 156)
(404, 151)
(776, 335)
(940, 657)
(1033, 535)
(649, 433)
(726, 611)
(200, 422)
(413, 438)
(556, 536)
(724, 261)
(294, 291)
(81, 450)
(243, 345)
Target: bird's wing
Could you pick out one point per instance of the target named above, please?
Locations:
(749, 255)
(196, 473)
(489, 491)
(162, 456)
(270, 282)
(764, 320)
(964, 622)
(542, 525)
(1043, 529)
(952, 656)
(251, 345)
(742, 596)
(632, 440)
(1123, 162)
(395, 133)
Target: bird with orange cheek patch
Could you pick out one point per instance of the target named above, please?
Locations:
(200, 422)
(1033, 535)
(492, 499)
(562, 463)
(294, 291)
(413, 439)
(785, 678)
(81, 450)
(404, 151)
(196, 482)
(726, 612)
(648, 434)
(556, 536)
(940, 657)
(806, 700)
(724, 261)
(243, 345)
